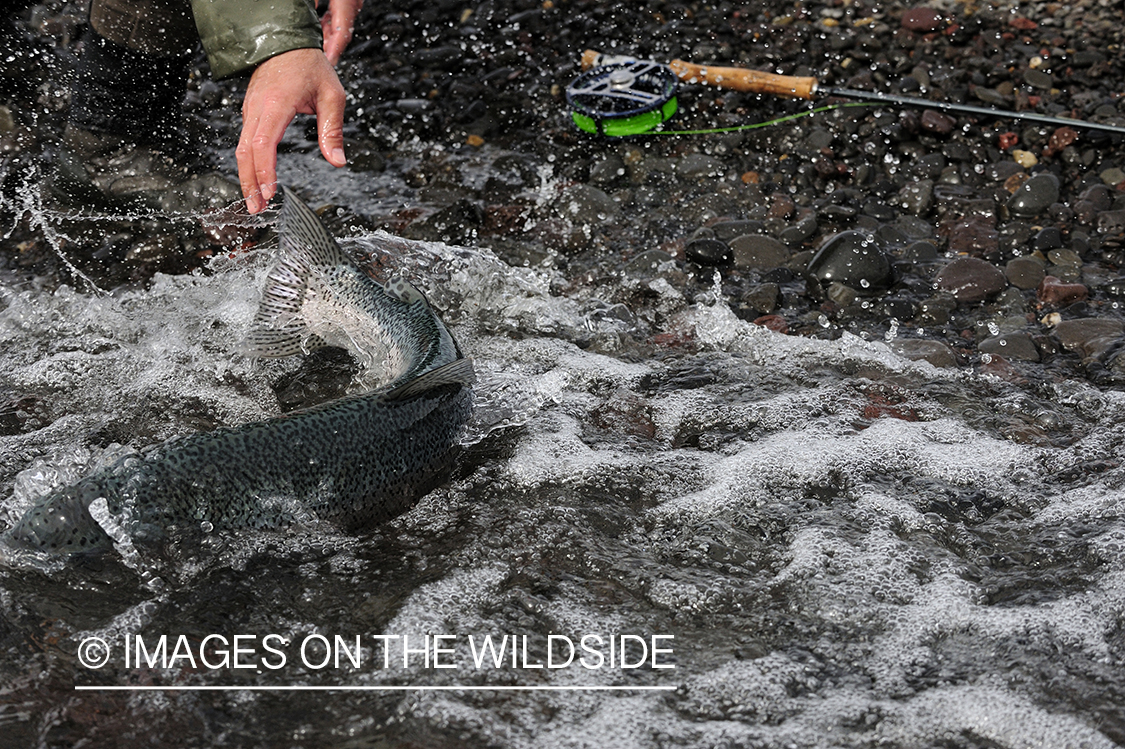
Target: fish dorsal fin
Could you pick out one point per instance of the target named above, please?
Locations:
(458, 372)
(306, 247)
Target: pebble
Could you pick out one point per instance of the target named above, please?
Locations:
(776, 323)
(799, 231)
(1016, 181)
(413, 106)
(1001, 171)
(1111, 222)
(1026, 159)
(1035, 195)
(936, 122)
(781, 206)
(1025, 272)
(837, 213)
(976, 235)
(898, 308)
(707, 208)
(1048, 238)
(154, 248)
(853, 259)
(990, 96)
(764, 297)
(970, 279)
(584, 204)
(938, 309)
(647, 262)
(1011, 346)
(913, 227)
(922, 349)
(1063, 256)
(1053, 291)
(1086, 57)
(608, 170)
(708, 251)
(819, 138)
(1113, 176)
(1089, 336)
(917, 197)
(922, 20)
(1059, 140)
(840, 294)
(759, 251)
(698, 166)
(1038, 79)
(921, 251)
(728, 230)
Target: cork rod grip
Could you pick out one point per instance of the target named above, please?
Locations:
(740, 79)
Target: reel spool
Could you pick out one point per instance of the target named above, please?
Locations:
(623, 98)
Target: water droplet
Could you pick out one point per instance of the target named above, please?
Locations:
(892, 331)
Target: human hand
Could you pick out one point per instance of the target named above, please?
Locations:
(337, 24)
(300, 81)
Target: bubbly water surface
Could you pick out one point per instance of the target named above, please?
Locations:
(829, 545)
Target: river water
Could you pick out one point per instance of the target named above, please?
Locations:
(672, 527)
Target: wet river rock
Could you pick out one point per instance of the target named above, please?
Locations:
(1053, 291)
(1025, 272)
(851, 258)
(759, 251)
(1011, 346)
(1091, 337)
(1035, 195)
(970, 279)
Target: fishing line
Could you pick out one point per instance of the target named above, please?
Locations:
(769, 123)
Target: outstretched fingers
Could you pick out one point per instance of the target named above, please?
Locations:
(263, 128)
(299, 81)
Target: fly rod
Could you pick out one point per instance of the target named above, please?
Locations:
(621, 95)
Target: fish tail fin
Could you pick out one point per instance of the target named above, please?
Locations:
(306, 248)
(62, 523)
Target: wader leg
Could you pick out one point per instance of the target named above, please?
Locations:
(125, 144)
(132, 74)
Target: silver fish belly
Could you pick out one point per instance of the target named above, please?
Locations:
(353, 462)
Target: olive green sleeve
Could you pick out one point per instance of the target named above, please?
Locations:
(239, 34)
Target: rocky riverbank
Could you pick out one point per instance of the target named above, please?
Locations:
(963, 240)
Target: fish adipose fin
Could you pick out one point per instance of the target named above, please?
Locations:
(459, 372)
(306, 247)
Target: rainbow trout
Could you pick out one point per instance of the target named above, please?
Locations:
(352, 462)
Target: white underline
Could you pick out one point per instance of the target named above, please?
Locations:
(363, 688)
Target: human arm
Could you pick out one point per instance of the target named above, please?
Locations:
(282, 41)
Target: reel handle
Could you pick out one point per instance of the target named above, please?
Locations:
(736, 79)
(741, 79)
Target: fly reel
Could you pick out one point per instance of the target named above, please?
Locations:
(623, 98)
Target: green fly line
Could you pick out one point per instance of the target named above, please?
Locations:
(769, 123)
